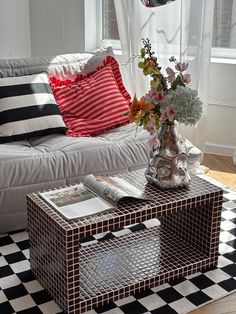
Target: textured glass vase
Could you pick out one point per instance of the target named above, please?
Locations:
(167, 167)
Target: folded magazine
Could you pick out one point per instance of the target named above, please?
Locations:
(95, 195)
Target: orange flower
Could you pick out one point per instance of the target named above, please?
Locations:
(138, 105)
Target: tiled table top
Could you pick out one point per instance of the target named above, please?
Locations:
(162, 202)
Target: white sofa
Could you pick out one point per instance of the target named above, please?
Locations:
(56, 160)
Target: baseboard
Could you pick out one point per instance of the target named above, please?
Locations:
(219, 149)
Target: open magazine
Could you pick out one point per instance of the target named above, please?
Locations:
(95, 195)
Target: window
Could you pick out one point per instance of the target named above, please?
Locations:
(110, 28)
(224, 27)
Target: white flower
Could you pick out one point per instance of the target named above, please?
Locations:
(185, 102)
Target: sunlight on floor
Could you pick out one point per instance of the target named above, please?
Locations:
(224, 177)
(221, 168)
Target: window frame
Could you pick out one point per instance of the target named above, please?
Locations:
(99, 25)
(223, 53)
(99, 20)
(228, 54)
(93, 20)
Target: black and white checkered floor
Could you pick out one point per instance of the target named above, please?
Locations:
(21, 293)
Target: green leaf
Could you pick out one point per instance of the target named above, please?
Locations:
(138, 118)
(177, 82)
(147, 70)
(141, 65)
(154, 83)
(156, 70)
(142, 52)
(159, 87)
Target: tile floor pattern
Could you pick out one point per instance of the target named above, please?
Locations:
(21, 293)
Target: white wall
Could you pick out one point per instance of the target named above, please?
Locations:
(221, 116)
(14, 29)
(57, 26)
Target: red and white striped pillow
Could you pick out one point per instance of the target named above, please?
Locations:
(93, 103)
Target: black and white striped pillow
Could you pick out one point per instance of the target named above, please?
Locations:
(28, 108)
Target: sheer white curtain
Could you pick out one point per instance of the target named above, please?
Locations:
(182, 29)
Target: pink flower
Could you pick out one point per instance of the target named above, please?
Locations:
(167, 114)
(151, 63)
(186, 78)
(171, 74)
(154, 142)
(151, 126)
(155, 96)
(181, 66)
(152, 129)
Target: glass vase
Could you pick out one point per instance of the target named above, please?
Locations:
(167, 167)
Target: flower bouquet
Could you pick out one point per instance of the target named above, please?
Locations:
(169, 100)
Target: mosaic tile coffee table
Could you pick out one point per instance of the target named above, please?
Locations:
(82, 277)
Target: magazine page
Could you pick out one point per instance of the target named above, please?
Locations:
(76, 201)
(113, 188)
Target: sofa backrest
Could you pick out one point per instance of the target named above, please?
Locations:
(62, 66)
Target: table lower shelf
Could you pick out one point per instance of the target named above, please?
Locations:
(134, 260)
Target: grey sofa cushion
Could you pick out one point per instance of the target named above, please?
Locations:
(56, 157)
(62, 66)
(56, 160)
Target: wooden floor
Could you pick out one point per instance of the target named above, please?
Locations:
(222, 169)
